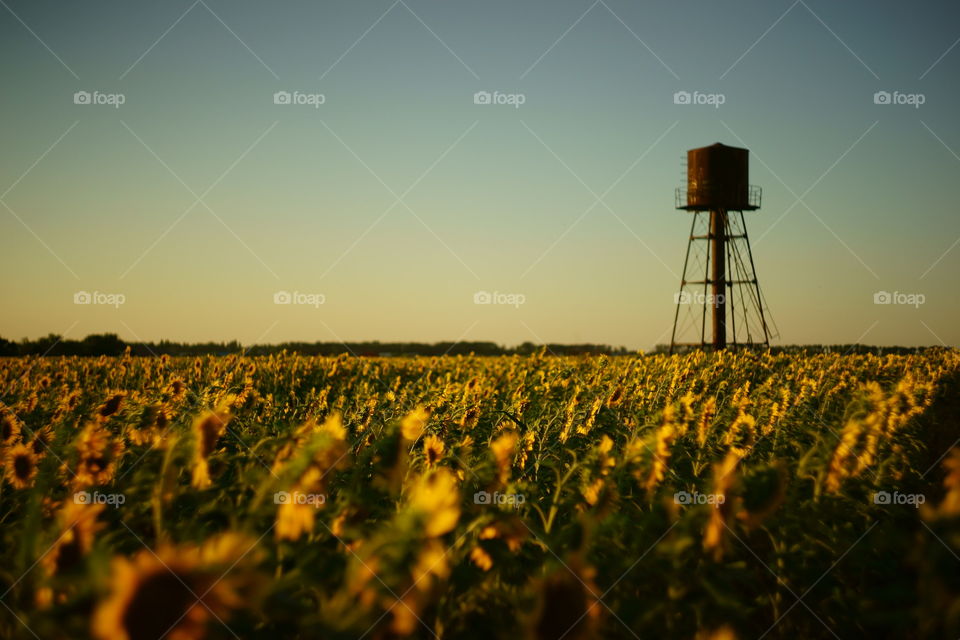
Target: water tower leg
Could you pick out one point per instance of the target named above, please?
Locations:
(683, 284)
(718, 239)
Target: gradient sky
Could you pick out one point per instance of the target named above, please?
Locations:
(493, 197)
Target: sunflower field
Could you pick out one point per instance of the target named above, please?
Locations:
(727, 495)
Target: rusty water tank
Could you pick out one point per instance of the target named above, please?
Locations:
(718, 178)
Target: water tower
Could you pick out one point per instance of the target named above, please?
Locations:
(718, 191)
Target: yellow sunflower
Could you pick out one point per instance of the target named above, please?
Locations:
(176, 591)
(298, 507)
(40, 443)
(414, 423)
(503, 449)
(432, 449)
(436, 497)
(98, 454)
(21, 466)
(207, 430)
(111, 406)
(9, 429)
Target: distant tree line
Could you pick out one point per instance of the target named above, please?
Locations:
(109, 344)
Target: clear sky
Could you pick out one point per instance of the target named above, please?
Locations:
(398, 198)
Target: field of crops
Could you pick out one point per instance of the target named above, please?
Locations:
(698, 496)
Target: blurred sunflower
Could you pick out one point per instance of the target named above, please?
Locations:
(481, 558)
(78, 529)
(296, 513)
(431, 562)
(177, 389)
(435, 496)
(176, 591)
(725, 480)
(21, 466)
(98, 455)
(503, 449)
(9, 429)
(150, 429)
(432, 449)
(40, 443)
(207, 430)
(414, 423)
(111, 406)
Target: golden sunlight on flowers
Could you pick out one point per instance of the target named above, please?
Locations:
(503, 449)
(724, 479)
(414, 423)
(431, 563)
(481, 558)
(207, 430)
(288, 495)
(298, 507)
(723, 633)
(436, 497)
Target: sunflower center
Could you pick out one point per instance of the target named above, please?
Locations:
(160, 603)
(22, 466)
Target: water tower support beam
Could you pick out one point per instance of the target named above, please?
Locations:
(718, 238)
